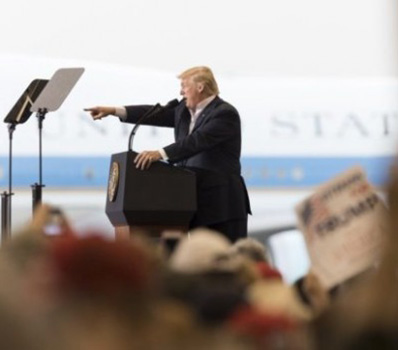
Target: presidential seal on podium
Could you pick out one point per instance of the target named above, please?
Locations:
(113, 182)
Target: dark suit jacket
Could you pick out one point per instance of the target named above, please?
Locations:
(212, 150)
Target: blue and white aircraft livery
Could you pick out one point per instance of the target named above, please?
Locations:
(297, 133)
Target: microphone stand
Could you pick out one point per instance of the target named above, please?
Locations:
(6, 197)
(152, 111)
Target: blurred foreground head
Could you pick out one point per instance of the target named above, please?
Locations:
(93, 266)
(251, 249)
(203, 251)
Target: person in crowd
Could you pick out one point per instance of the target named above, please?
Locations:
(207, 141)
(203, 251)
(205, 276)
(252, 249)
(256, 252)
(313, 293)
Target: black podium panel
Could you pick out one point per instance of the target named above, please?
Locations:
(162, 195)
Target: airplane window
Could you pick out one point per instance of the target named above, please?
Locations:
(281, 173)
(89, 173)
(297, 173)
(289, 254)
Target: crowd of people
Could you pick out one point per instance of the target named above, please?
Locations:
(84, 291)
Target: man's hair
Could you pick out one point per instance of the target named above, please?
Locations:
(203, 75)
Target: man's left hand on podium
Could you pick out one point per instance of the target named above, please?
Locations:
(144, 159)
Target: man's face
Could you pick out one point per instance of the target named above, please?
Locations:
(192, 92)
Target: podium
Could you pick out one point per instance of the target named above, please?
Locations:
(150, 201)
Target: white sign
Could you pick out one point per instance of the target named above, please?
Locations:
(343, 224)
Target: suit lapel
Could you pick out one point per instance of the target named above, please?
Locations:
(209, 108)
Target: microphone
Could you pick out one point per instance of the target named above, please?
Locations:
(171, 104)
(154, 110)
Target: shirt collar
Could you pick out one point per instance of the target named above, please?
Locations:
(202, 105)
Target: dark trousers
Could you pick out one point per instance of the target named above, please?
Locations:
(233, 229)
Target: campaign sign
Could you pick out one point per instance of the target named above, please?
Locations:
(343, 223)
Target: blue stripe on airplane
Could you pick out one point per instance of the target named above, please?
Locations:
(271, 172)
(304, 172)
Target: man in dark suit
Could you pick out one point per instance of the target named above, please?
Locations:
(208, 141)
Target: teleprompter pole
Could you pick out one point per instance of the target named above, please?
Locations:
(37, 187)
(6, 196)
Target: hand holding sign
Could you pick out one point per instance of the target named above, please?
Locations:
(343, 223)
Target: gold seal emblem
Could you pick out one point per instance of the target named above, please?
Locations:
(113, 182)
